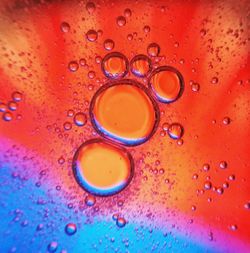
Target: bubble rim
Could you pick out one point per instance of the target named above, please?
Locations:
(115, 54)
(112, 138)
(85, 186)
(180, 77)
(139, 57)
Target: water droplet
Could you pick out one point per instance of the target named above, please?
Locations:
(140, 65)
(195, 87)
(7, 116)
(153, 49)
(226, 120)
(233, 227)
(208, 185)
(65, 27)
(206, 167)
(91, 35)
(67, 125)
(82, 62)
(70, 229)
(109, 44)
(90, 200)
(220, 190)
(73, 66)
(127, 12)
(121, 21)
(121, 222)
(102, 168)
(52, 247)
(247, 205)
(167, 84)
(80, 119)
(214, 80)
(223, 164)
(146, 29)
(91, 74)
(114, 65)
(175, 131)
(16, 96)
(114, 117)
(90, 7)
(3, 107)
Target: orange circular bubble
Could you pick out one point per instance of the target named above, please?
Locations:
(167, 84)
(125, 112)
(140, 65)
(102, 168)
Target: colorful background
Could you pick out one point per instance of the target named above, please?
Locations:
(166, 206)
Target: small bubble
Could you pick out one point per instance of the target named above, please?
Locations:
(12, 105)
(90, 200)
(61, 160)
(247, 205)
(220, 190)
(90, 7)
(7, 116)
(175, 131)
(16, 96)
(195, 87)
(146, 29)
(214, 80)
(73, 66)
(65, 27)
(130, 37)
(233, 227)
(231, 177)
(140, 65)
(121, 21)
(207, 185)
(127, 12)
(108, 44)
(91, 35)
(121, 222)
(91, 74)
(203, 32)
(206, 167)
(226, 120)
(3, 107)
(153, 49)
(82, 62)
(67, 126)
(80, 119)
(70, 229)
(70, 113)
(52, 247)
(223, 164)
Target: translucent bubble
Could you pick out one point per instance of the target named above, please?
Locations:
(153, 49)
(121, 222)
(52, 247)
(167, 84)
(175, 131)
(113, 113)
(65, 27)
(208, 185)
(127, 12)
(12, 105)
(121, 21)
(146, 29)
(90, 200)
(82, 62)
(91, 74)
(233, 227)
(140, 65)
(109, 44)
(70, 228)
(223, 164)
(247, 205)
(17, 96)
(91, 35)
(226, 120)
(7, 116)
(90, 7)
(214, 80)
(102, 168)
(73, 66)
(195, 87)
(67, 126)
(80, 119)
(206, 167)
(3, 107)
(115, 65)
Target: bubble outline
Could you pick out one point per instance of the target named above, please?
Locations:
(139, 57)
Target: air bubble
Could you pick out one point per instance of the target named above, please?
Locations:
(140, 65)
(90, 200)
(91, 35)
(65, 27)
(114, 116)
(109, 44)
(80, 119)
(146, 29)
(52, 247)
(121, 21)
(90, 7)
(12, 105)
(121, 222)
(167, 84)
(3, 107)
(114, 65)
(102, 168)
(17, 96)
(7, 116)
(175, 131)
(153, 49)
(127, 12)
(73, 66)
(70, 229)
(214, 80)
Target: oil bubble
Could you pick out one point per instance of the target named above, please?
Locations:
(140, 65)
(175, 131)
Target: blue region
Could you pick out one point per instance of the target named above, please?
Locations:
(23, 206)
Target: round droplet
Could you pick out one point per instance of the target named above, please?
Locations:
(115, 65)
(226, 120)
(70, 229)
(208, 185)
(91, 35)
(167, 84)
(214, 80)
(90, 7)
(223, 164)
(247, 205)
(121, 222)
(17, 96)
(195, 87)
(127, 12)
(146, 29)
(52, 247)
(67, 125)
(121, 21)
(108, 44)
(153, 49)
(80, 119)
(140, 65)
(3, 107)
(125, 112)
(73, 66)
(12, 105)
(102, 168)
(7, 116)
(175, 131)
(90, 200)
(65, 27)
